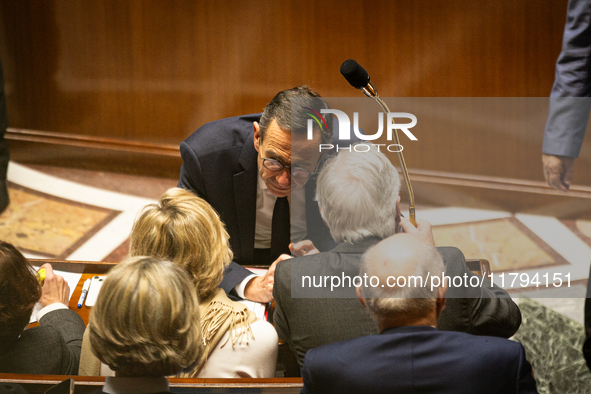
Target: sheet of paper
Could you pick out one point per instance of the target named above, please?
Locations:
(72, 280)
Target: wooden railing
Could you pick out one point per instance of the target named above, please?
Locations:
(39, 384)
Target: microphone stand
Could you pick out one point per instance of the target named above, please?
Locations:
(371, 92)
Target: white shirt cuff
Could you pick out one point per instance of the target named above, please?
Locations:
(239, 288)
(50, 308)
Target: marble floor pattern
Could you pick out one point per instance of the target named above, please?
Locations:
(87, 215)
(50, 217)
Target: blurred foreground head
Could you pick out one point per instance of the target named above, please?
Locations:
(403, 264)
(146, 319)
(19, 292)
(358, 196)
(186, 230)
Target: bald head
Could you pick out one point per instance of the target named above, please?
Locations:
(397, 256)
(403, 263)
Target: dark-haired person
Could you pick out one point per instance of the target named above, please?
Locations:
(145, 325)
(54, 346)
(246, 169)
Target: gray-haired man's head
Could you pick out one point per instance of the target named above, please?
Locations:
(358, 196)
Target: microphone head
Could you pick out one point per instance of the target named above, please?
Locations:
(355, 74)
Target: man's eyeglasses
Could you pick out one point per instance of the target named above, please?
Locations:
(296, 172)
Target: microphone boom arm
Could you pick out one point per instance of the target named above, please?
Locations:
(371, 92)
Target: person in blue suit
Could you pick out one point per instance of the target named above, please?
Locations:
(245, 168)
(410, 355)
(570, 99)
(570, 104)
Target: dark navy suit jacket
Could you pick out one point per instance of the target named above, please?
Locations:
(220, 166)
(419, 359)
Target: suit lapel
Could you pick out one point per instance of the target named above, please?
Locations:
(245, 195)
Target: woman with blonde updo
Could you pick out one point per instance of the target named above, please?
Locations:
(185, 229)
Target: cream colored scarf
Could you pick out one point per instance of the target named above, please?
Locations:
(219, 315)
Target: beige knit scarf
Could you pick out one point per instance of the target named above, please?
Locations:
(219, 315)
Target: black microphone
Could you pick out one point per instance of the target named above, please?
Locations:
(358, 78)
(355, 74)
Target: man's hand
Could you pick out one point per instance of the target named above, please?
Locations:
(423, 229)
(55, 288)
(558, 171)
(260, 288)
(303, 248)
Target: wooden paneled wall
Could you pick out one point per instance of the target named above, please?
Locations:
(155, 70)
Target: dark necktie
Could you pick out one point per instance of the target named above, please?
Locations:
(280, 229)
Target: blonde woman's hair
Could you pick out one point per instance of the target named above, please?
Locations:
(186, 230)
(146, 319)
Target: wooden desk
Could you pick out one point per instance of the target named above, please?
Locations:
(38, 384)
(88, 269)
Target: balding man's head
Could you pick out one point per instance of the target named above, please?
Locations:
(358, 194)
(403, 263)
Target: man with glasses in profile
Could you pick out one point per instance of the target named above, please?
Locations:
(254, 170)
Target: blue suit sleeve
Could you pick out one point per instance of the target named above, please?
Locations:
(572, 67)
(191, 177)
(568, 115)
(565, 128)
(526, 383)
(233, 275)
(307, 375)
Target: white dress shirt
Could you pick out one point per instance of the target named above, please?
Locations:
(264, 219)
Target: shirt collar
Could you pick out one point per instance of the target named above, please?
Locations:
(141, 385)
(407, 329)
(359, 247)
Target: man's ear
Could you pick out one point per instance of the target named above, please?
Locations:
(358, 291)
(440, 301)
(257, 135)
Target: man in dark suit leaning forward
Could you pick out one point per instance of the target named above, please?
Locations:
(246, 169)
(410, 355)
(358, 199)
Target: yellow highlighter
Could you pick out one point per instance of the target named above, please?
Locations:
(41, 276)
